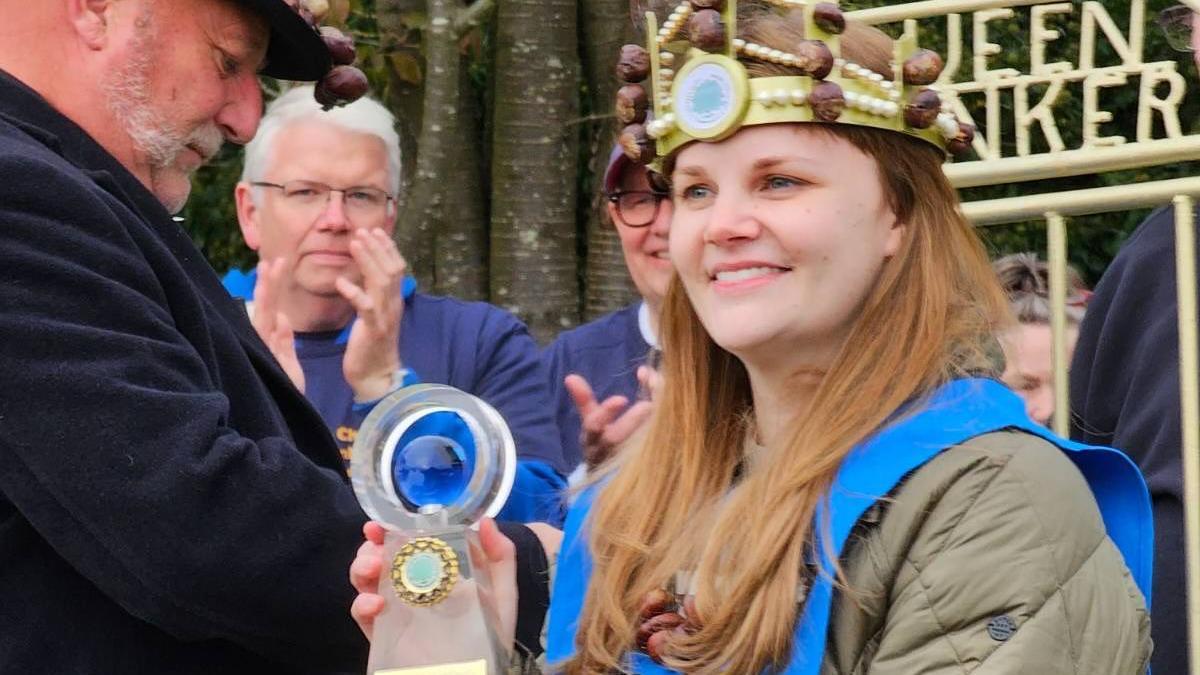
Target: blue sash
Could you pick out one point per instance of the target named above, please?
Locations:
(957, 412)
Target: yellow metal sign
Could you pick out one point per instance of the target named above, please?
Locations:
(1161, 88)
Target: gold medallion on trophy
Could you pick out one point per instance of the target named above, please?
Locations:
(424, 571)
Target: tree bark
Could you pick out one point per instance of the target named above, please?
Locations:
(444, 221)
(605, 26)
(534, 164)
(401, 45)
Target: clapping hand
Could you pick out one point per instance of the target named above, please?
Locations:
(373, 350)
(605, 425)
(269, 321)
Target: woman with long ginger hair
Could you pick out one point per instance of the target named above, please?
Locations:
(831, 480)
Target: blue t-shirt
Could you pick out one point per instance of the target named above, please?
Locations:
(607, 353)
(473, 346)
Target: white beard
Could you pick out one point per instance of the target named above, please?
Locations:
(127, 95)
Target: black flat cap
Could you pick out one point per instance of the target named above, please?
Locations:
(296, 51)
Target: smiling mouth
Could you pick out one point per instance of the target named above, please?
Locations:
(747, 274)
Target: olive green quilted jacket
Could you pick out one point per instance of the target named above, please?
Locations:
(990, 559)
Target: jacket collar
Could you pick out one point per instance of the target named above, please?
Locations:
(26, 108)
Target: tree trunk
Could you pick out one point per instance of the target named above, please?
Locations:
(534, 164)
(401, 43)
(605, 26)
(461, 256)
(444, 221)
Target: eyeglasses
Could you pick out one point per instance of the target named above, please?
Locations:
(1176, 24)
(311, 196)
(636, 208)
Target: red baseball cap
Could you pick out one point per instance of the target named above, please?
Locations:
(617, 164)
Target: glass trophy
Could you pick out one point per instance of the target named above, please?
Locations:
(428, 462)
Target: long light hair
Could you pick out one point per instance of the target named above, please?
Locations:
(669, 505)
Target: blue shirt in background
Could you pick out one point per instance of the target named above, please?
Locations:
(473, 346)
(607, 353)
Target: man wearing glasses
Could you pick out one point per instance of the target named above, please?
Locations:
(595, 369)
(330, 296)
(1125, 384)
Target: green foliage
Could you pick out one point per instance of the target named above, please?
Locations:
(1094, 240)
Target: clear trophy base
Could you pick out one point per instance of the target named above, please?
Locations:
(438, 618)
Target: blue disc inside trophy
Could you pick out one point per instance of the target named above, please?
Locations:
(433, 460)
(428, 463)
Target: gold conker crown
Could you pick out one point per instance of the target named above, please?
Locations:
(711, 95)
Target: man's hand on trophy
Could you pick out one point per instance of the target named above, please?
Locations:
(373, 351)
(368, 565)
(604, 424)
(271, 323)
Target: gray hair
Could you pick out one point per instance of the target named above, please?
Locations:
(365, 116)
(1026, 281)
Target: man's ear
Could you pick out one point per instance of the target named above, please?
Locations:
(93, 20)
(389, 220)
(247, 213)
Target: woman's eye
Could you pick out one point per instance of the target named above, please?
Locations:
(695, 192)
(781, 183)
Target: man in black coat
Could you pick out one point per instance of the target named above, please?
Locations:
(1125, 387)
(169, 502)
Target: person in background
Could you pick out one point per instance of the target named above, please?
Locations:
(1125, 382)
(1028, 345)
(318, 202)
(600, 372)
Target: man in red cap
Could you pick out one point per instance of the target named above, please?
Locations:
(169, 502)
